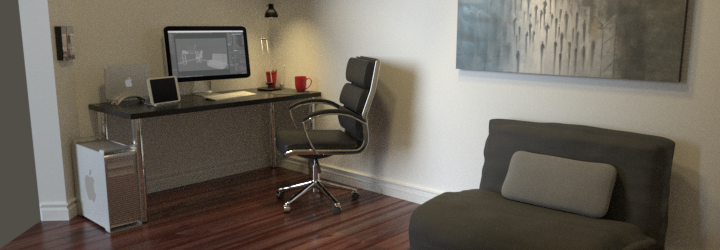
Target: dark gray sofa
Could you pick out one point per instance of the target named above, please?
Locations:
(483, 219)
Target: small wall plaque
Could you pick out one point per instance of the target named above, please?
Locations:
(64, 43)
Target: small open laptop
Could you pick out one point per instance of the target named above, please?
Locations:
(124, 81)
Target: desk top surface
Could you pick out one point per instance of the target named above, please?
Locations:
(194, 103)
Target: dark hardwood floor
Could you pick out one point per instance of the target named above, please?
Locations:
(241, 212)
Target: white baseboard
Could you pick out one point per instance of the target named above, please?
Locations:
(61, 211)
(58, 211)
(364, 181)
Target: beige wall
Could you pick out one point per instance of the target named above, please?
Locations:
(130, 32)
(429, 119)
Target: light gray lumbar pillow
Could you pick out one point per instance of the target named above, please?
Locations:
(563, 184)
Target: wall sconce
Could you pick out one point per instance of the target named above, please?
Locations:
(271, 74)
(264, 41)
(271, 11)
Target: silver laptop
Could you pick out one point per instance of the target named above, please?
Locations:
(125, 81)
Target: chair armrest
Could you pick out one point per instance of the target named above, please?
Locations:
(340, 111)
(312, 101)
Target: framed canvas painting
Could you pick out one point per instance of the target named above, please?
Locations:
(617, 39)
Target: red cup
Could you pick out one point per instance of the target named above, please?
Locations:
(271, 78)
(274, 79)
(301, 83)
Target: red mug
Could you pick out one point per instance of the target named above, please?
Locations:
(301, 83)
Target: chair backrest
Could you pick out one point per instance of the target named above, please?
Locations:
(643, 164)
(357, 95)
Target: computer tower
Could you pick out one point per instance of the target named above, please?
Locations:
(109, 184)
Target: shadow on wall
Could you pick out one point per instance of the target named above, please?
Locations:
(685, 221)
(392, 113)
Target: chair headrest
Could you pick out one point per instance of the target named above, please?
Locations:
(360, 71)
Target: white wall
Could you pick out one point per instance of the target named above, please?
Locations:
(430, 120)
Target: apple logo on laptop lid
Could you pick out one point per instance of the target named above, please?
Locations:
(128, 82)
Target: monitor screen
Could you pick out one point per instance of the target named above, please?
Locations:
(206, 53)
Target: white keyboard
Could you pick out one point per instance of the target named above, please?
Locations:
(229, 95)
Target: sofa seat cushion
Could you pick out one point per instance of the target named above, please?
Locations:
(481, 219)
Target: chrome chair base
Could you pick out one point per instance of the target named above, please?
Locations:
(314, 166)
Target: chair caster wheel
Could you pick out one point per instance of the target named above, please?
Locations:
(286, 208)
(279, 194)
(355, 195)
(337, 209)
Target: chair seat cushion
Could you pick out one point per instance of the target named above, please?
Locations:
(481, 219)
(322, 139)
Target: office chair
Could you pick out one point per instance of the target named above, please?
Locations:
(355, 97)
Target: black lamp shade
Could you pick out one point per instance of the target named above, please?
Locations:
(271, 11)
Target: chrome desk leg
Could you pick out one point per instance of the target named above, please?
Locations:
(138, 144)
(272, 133)
(102, 125)
(312, 109)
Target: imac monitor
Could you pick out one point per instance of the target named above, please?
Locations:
(206, 53)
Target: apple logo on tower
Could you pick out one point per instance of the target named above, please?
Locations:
(128, 82)
(90, 186)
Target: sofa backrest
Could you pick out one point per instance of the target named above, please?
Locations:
(643, 164)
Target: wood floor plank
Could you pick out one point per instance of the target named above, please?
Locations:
(241, 212)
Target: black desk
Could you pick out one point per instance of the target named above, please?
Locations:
(135, 111)
(193, 103)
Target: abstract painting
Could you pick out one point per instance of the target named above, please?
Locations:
(616, 39)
